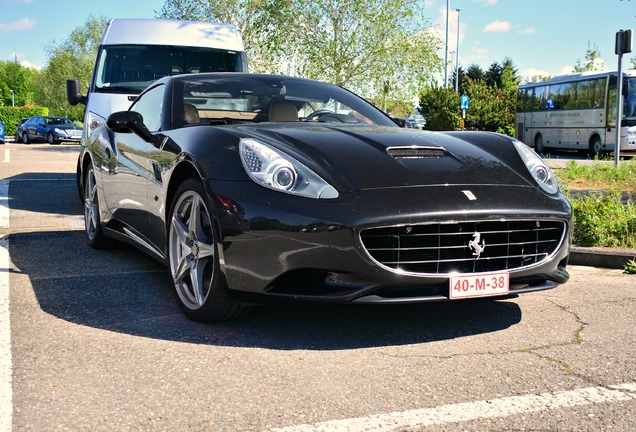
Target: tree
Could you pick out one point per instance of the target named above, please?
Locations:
(255, 18)
(360, 44)
(14, 76)
(440, 107)
(72, 58)
(593, 60)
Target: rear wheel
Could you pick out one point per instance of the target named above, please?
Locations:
(538, 145)
(596, 147)
(200, 287)
(92, 222)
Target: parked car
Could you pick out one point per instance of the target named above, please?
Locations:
(19, 130)
(253, 188)
(1, 132)
(50, 129)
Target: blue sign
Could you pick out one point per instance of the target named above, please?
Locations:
(463, 102)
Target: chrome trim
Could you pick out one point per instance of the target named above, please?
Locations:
(547, 258)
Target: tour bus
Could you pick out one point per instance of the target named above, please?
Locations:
(577, 111)
(133, 53)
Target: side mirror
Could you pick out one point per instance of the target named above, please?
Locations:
(129, 122)
(73, 95)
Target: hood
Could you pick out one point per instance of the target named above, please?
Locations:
(366, 157)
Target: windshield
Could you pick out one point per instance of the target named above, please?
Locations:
(131, 68)
(231, 98)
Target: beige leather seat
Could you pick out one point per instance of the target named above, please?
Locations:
(282, 112)
(191, 114)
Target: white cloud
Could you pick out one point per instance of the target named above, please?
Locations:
(528, 30)
(498, 26)
(23, 24)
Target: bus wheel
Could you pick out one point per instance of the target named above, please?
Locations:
(538, 145)
(596, 147)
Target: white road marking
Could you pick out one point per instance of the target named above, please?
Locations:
(4, 204)
(6, 391)
(461, 412)
(7, 155)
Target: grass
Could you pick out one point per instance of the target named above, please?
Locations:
(600, 176)
(601, 218)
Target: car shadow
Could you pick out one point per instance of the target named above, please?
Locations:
(122, 290)
(60, 195)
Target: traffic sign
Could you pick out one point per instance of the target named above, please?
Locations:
(463, 102)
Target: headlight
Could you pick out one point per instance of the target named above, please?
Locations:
(276, 170)
(538, 169)
(60, 131)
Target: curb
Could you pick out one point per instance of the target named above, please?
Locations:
(612, 258)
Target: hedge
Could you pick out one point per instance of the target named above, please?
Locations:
(11, 116)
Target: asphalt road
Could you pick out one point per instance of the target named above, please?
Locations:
(97, 343)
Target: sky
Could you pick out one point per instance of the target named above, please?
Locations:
(542, 37)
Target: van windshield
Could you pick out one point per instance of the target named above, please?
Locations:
(131, 68)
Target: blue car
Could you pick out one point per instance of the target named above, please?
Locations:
(50, 129)
(1, 132)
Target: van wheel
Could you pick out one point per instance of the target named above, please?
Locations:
(596, 147)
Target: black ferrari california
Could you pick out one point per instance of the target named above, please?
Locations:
(252, 188)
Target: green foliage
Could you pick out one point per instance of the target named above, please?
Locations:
(11, 116)
(360, 44)
(441, 106)
(601, 219)
(593, 61)
(492, 100)
(630, 267)
(14, 76)
(72, 58)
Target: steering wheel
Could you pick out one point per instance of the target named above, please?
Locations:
(319, 113)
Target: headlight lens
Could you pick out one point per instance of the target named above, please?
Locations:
(60, 131)
(538, 169)
(276, 170)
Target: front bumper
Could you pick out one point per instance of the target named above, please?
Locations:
(288, 247)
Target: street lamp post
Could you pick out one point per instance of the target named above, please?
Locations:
(457, 55)
(446, 47)
(12, 98)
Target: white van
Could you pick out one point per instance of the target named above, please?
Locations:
(135, 52)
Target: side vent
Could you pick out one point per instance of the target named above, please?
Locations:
(416, 152)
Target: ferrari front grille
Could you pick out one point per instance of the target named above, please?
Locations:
(464, 247)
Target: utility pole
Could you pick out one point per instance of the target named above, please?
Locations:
(623, 45)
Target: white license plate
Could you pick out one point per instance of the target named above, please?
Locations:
(481, 285)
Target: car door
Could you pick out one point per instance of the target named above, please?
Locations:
(129, 167)
(31, 126)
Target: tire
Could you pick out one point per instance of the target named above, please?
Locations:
(92, 223)
(25, 138)
(193, 245)
(596, 147)
(539, 148)
(50, 138)
(18, 138)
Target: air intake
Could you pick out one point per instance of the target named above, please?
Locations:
(416, 152)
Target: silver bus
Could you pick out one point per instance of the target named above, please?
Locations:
(577, 111)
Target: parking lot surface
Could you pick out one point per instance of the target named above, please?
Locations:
(93, 340)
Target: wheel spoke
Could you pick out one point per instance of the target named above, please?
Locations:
(198, 284)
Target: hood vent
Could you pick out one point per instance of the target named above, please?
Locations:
(416, 152)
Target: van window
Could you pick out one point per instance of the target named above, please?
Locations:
(131, 68)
